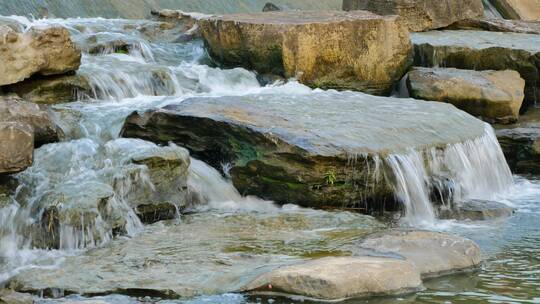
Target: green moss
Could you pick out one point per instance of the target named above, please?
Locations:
(290, 185)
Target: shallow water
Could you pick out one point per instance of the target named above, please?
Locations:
(220, 243)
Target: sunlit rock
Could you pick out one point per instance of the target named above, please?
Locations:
(17, 148)
(518, 9)
(433, 253)
(343, 50)
(43, 51)
(483, 50)
(495, 96)
(340, 278)
(477, 210)
(421, 15)
(52, 89)
(325, 149)
(498, 25)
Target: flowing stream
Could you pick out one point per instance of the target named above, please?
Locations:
(157, 72)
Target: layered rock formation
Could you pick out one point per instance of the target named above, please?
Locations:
(482, 50)
(421, 15)
(518, 9)
(495, 96)
(521, 148)
(43, 51)
(342, 50)
(299, 148)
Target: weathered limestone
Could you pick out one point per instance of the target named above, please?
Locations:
(433, 253)
(343, 50)
(495, 96)
(340, 278)
(498, 25)
(521, 147)
(482, 50)
(421, 15)
(43, 51)
(51, 90)
(477, 210)
(518, 9)
(17, 148)
(298, 148)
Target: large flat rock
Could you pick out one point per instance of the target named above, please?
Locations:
(495, 96)
(483, 50)
(421, 15)
(318, 149)
(332, 49)
(498, 25)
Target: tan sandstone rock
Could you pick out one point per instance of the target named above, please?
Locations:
(518, 9)
(17, 148)
(343, 50)
(496, 96)
(44, 51)
(337, 278)
(421, 15)
(433, 253)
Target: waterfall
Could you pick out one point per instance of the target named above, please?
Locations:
(490, 11)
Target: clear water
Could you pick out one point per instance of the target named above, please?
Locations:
(158, 72)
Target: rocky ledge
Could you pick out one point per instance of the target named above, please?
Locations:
(344, 50)
(495, 96)
(498, 25)
(483, 50)
(322, 149)
(421, 15)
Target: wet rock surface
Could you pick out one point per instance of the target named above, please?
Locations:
(17, 148)
(12, 297)
(338, 278)
(44, 51)
(433, 253)
(482, 50)
(495, 96)
(521, 147)
(477, 210)
(288, 148)
(343, 50)
(421, 15)
(518, 9)
(52, 89)
(498, 25)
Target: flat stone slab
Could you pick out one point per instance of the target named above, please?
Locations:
(340, 278)
(495, 96)
(477, 210)
(298, 148)
(482, 50)
(433, 253)
(355, 50)
(498, 25)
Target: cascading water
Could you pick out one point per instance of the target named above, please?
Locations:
(155, 72)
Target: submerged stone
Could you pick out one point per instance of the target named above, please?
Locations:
(477, 210)
(433, 253)
(44, 51)
(495, 96)
(421, 15)
(483, 50)
(323, 149)
(339, 278)
(343, 50)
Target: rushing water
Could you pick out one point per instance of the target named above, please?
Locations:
(157, 72)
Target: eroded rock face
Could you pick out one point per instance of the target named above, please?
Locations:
(341, 278)
(44, 51)
(483, 50)
(521, 147)
(433, 253)
(298, 148)
(477, 210)
(51, 90)
(495, 96)
(421, 15)
(343, 50)
(17, 148)
(518, 9)
(498, 25)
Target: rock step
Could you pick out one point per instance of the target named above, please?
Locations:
(498, 25)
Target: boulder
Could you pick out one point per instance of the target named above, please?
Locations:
(433, 253)
(8, 296)
(521, 147)
(344, 50)
(44, 51)
(518, 9)
(477, 210)
(483, 50)
(52, 89)
(498, 25)
(421, 15)
(495, 96)
(298, 148)
(339, 278)
(39, 118)
(17, 148)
